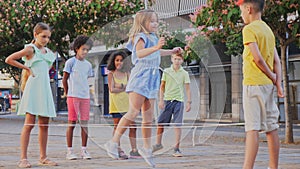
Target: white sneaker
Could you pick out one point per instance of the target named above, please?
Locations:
(148, 157)
(112, 149)
(71, 155)
(85, 155)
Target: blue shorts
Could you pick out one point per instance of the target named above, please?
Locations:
(172, 107)
(117, 115)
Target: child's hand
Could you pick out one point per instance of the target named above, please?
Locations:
(188, 107)
(161, 42)
(277, 82)
(30, 72)
(279, 90)
(177, 50)
(64, 95)
(161, 105)
(120, 86)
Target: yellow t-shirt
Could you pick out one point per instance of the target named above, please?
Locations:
(118, 102)
(260, 33)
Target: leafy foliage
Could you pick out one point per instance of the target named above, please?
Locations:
(283, 18)
(68, 18)
(197, 45)
(220, 21)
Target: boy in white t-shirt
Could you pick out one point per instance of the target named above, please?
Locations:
(77, 70)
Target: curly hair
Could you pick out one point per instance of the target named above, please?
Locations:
(111, 60)
(81, 40)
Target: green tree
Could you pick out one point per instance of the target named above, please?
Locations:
(220, 21)
(68, 18)
(283, 17)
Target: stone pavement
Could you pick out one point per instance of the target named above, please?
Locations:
(216, 147)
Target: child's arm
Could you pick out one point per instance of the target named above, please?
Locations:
(167, 52)
(142, 52)
(161, 103)
(260, 62)
(277, 71)
(12, 59)
(112, 86)
(65, 78)
(188, 95)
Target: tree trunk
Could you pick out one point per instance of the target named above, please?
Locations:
(288, 114)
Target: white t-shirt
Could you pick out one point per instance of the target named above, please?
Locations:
(79, 71)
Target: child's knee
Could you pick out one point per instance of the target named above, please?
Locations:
(132, 129)
(147, 122)
(28, 127)
(43, 127)
(131, 115)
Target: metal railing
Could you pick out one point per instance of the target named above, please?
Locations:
(172, 8)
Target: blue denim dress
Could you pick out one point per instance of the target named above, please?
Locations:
(145, 77)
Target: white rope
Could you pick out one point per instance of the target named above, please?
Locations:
(165, 125)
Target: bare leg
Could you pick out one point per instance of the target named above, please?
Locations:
(84, 133)
(132, 136)
(147, 113)
(116, 122)
(135, 104)
(159, 134)
(177, 136)
(251, 148)
(43, 136)
(273, 144)
(25, 135)
(69, 134)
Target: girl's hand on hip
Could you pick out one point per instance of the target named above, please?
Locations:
(31, 72)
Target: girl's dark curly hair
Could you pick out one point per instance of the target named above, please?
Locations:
(82, 40)
(111, 60)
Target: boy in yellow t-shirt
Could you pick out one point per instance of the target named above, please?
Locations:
(261, 70)
(174, 80)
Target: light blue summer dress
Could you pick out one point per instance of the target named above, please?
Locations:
(145, 77)
(37, 97)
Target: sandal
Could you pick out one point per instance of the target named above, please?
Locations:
(24, 164)
(122, 155)
(47, 162)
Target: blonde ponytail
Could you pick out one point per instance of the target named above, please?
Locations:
(24, 77)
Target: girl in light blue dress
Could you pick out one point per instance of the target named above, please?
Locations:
(37, 97)
(144, 81)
